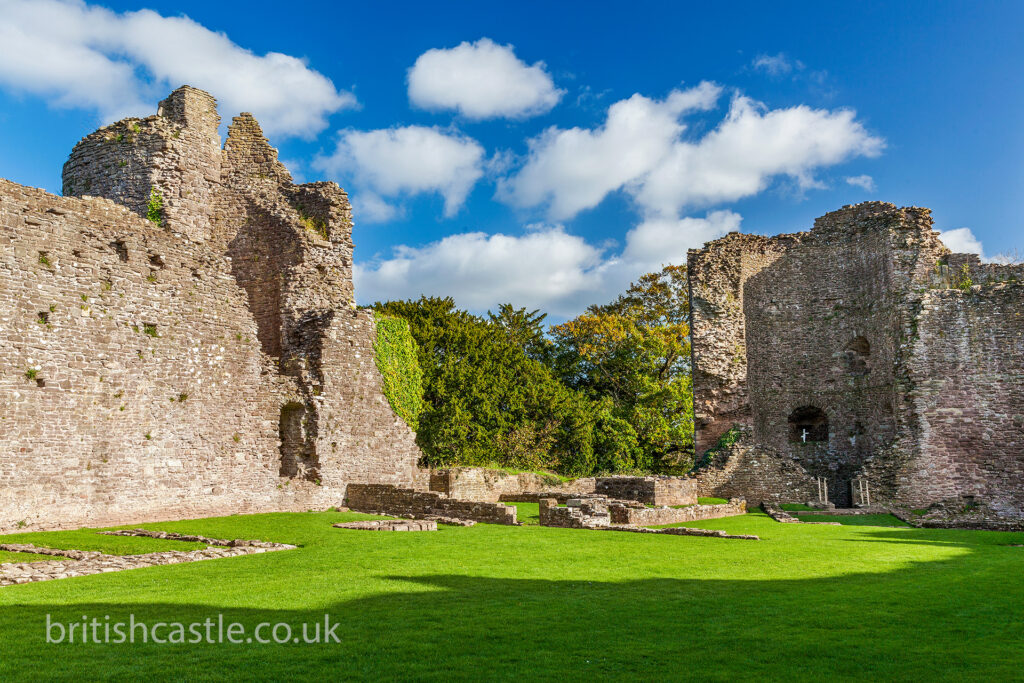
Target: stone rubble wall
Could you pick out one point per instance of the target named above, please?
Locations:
(865, 322)
(645, 516)
(967, 366)
(403, 502)
(491, 485)
(755, 474)
(717, 277)
(588, 513)
(208, 364)
(654, 490)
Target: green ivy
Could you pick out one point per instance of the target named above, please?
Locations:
(725, 442)
(395, 353)
(155, 208)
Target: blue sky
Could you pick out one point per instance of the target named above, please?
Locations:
(548, 153)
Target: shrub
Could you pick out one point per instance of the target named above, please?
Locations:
(395, 355)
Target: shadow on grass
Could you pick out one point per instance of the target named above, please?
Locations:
(948, 619)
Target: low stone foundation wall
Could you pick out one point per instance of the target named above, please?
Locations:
(645, 516)
(490, 486)
(86, 562)
(389, 525)
(659, 490)
(590, 513)
(391, 500)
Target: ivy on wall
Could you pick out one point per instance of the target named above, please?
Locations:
(395, 354)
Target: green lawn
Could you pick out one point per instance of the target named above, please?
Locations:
(533, 603)
(857, 520)
(796, 507)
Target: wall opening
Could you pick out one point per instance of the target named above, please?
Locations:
(120, 249)
(856, 355)
(808, 424)
(297, 450)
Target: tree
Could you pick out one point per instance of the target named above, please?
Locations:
(636, 352)
(485, 401)
(525, 329)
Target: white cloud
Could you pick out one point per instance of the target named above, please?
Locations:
(776, 65)
(749, 148)
(640, 149)
(962, 241)
(545, 268)
(368, 207)
(481, 80)
(864, 182)
(657, 242)
(80, 55)
(572, 170)
(407, 161)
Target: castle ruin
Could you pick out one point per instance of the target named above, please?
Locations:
(178, 334)
(864, 361)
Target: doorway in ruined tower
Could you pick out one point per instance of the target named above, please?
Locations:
(298, 450)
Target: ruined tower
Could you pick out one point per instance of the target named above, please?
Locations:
(181, 336)
(861, 351)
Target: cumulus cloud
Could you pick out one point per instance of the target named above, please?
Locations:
(406, 161)
(962, 241)
(864, 182)
(572, 170)
(546, 267)
(117, 64)
(481, 80)
(640, 149)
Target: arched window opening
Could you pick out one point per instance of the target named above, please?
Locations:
(857, 354)
(808, 424)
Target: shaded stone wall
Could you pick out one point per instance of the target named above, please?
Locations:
(211, 363)
(717, 277)
(968, 399)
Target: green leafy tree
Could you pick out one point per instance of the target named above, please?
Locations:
(525, 329)
(485, 401)
(635, 351)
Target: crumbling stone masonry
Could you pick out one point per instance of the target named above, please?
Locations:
(490, 485)
(206, 361)
(862, 349)
(402, 502)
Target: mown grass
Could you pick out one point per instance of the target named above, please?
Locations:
(857, 520)
(23, 557)
(711, 501)
(536, 603)
(796, 507)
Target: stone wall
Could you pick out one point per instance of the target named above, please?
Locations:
(591, 513)
(650, 490)
(490, 485)
(392, 500)
(863, 357)
(645, 516)
(968, 374)
(717, 277)
(209, 364)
